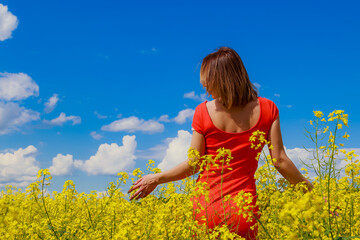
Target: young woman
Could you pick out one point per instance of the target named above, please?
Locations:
(228, 122)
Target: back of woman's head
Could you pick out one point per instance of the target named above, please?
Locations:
(223, 74)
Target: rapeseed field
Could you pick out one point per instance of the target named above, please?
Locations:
(330, 211)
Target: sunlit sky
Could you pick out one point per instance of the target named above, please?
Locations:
(89, 88)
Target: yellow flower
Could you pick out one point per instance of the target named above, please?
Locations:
(40, 172)
(326, 129)
(338, 112)
(318, 114)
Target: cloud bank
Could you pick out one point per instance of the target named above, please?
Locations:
(184, 115)
(134, 124)
(95, 135)
(62, 165)
(62, 118)
(191, 95)
(8, 23)
(51, 103)
(110, 158)
(176, 151)
(12, 116)
(17, 86)
(18, 167)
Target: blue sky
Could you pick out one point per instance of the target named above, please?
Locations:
(90, 88)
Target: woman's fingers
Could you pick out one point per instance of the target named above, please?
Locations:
(138, 181)
(133, 188)
(135, 185)
(141, 195)
(137, 195)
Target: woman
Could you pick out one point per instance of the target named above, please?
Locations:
(228, 122)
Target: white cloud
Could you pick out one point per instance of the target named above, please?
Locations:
(277, 95)
(164, 118)
(62, 165)
(110, 158)
(17, 86)
(99, 116)
(191, 95)
(184, 115)
(12, 116)
(154, 153)
(51, 103)
(177, 150)
(181, 118)
(288, 106)
(19, 167)
(257, 85)
(296, 155)
(300, 155)
(8, 23)
(133, 124)
(62, 118)
(14, 87)
(96, 135)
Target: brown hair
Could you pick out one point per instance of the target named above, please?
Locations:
(223, 73)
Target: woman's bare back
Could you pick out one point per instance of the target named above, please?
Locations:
(236, 119)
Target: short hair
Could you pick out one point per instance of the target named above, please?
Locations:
(223, 73)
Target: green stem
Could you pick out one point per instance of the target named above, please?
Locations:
(87, 207)
(46, 212)
(329, 176)
(257, 219)
(317, 153)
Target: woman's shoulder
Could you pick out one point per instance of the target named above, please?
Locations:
(200, 119)
(265, 100)
(269, 107)
(201, 106)
(205, 105)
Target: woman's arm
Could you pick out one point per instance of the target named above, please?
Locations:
(148, 183)
(283, 164)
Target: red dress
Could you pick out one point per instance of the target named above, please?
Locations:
(243, 164)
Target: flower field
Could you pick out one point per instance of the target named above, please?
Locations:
(330, 211)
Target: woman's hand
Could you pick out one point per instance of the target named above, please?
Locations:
(145, 186)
